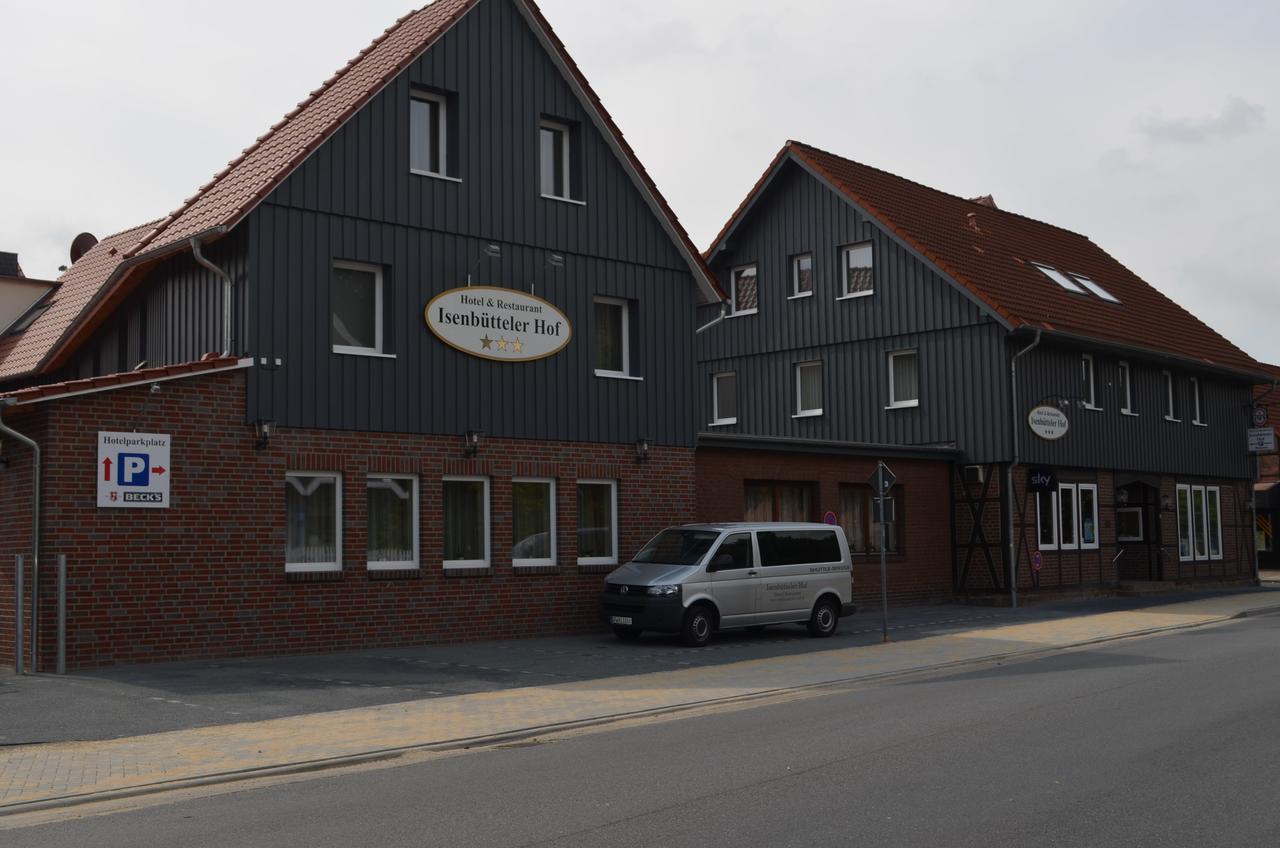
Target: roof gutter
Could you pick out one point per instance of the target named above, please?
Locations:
(228, 291)
(35, 541)
(1255, 377)
(1013, 463)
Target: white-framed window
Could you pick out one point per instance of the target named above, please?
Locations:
(857, 270)
(313, 521)
(904, 379)
(808, 376)
(1060, 278)
(597, 522)
(613, 337)
(1129, 524)
(428, 133)
(392, 521)
(1068, 518)
(1199, 523)
(1171, 409)
(1095, 288)
(1195, 403)
(802, 275)
(1088, 384)
(556, 159)
(533, 522)
(357, 308)
(744, 291)
(466, 522)
(724, 398)
(1126, 389)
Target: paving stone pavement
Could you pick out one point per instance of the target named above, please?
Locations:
(67, 772)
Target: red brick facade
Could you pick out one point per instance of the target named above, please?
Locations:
(919, 573)
(206, 578)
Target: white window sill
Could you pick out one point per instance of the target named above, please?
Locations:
(362, 351)
(811, 413)
(598, 561)
(466, 565)
(568, 200)
(1128, 413)
(1092, 408)
(312, 567)
(432, 175)
(906, 404)
(1172, 420)
(800, 296)
(533, 563)
(1199, 424)
(392, 566)
(723, 422)
(856, 295)
(618, 375)
(742, 313)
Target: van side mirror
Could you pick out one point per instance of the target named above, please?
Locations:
(722, 561)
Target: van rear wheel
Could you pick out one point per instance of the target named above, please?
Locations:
(825, 618)
(698, 624)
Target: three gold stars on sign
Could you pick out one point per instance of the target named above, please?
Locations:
(515, 345)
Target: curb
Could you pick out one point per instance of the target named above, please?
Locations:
(463, 743)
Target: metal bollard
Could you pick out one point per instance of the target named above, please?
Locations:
(18, 590)
(62, 614)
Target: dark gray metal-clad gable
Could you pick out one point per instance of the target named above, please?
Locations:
(961, 350)
(355, 199)
(1145, 442)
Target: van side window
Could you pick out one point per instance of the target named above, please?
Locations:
(798, 547)
(737, 546)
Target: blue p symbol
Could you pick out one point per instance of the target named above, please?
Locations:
(133, 469)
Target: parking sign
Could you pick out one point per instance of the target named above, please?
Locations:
(133, 471)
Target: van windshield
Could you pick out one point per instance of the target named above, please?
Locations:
(678, 547)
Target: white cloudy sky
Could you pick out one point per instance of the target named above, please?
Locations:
(1153, 126)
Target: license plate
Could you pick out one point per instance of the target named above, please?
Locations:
(620, 619)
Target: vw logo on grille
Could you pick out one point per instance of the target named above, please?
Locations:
(625, 590)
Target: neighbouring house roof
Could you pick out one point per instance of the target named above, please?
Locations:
(232, 194)
(992, 253)
(141, 377)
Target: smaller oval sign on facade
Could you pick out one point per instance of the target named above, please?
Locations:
(503, 325)
(1048, 422)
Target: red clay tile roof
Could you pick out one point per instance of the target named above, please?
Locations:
(23, 352)
(232, 194)
(53, 391)
(989, 252)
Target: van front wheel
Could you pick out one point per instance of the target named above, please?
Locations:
(698, 624)
(825, 618)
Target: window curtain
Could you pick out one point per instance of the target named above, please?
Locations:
(390, 520)
(463, 520)
(311, 504)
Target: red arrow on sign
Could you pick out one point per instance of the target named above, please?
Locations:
(159, 469)
(106, 470)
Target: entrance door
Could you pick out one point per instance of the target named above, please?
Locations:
(1137, 523)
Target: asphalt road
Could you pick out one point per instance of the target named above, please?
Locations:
(1165, 741)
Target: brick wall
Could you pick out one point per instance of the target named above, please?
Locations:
(206, 577)
(919, 573)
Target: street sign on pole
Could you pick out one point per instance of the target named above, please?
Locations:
(882, 480)
(881, 483)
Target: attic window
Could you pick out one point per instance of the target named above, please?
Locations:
(29, 318)
(1095, 288)
(1060, 278)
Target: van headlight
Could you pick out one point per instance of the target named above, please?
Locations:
(663, 591)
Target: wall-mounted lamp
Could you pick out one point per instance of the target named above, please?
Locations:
(264, 429)
(491, 250)
(1166, 503)
(642, 450)
(1122, 496)
(472, 442)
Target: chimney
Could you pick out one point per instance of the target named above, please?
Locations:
(9, 266)
(985, 200)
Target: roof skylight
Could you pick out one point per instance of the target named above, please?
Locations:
(1095, 288)
(1060, 278)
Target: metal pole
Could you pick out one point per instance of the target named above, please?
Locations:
(19, 649)
(1010, 507)
(62, 614)
(35, 522)
(884, 581)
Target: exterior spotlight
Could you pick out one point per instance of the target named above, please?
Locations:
(493, 251)
(264, 429)
(472, 440)
(642, 449)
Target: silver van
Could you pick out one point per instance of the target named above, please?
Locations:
(697, 579)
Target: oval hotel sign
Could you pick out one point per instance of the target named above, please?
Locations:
(1048, 422)
(504, 325)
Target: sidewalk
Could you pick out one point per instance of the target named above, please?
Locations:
(35, 776)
